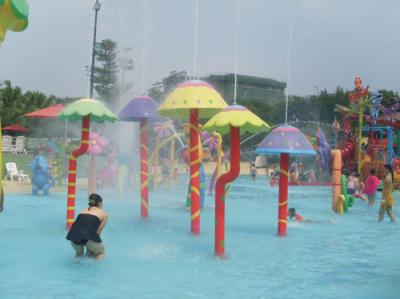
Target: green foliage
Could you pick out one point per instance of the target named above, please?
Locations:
(388, 95)
(159, 90)
(106, 74)
(11, 103)
(156, 92)
(14, 104)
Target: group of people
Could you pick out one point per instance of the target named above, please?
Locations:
(272, 178)
(86, 230)
(297, 174)
(367, 190)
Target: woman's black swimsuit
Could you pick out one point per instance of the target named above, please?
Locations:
(84, 229)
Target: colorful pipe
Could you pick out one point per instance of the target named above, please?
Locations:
(202, 189)
(360, 124)
(219, 153)
(171, 164)
(155, 163)
(194, 171)
(336, 158)
(220, 157)
(283, 195)
(144, 174)
(344, 205)
(72, 170)
(224, 179)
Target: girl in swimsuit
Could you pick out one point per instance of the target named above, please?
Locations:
(387, 195)
(352, 183)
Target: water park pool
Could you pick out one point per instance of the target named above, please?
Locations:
(354, 256)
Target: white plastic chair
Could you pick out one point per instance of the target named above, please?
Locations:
(12, 171)
(7, 146)
(20, 145)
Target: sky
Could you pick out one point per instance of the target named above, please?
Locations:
(332, 42)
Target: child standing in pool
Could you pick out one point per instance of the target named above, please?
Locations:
(253, 171)
(370, 186)
(387, 195)
(352, 183)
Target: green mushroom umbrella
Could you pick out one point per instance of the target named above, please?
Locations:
(85, 109)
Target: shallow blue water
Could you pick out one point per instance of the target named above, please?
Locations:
(353, 257)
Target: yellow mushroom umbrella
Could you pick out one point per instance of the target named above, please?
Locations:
(237, 120)
(194, 100)
(13, 16)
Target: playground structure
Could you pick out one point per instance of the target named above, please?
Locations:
(370, 140)
(13, 16)
(193, 100)
(86, 110)
(236, 120)
(142, 109)
(284, 140)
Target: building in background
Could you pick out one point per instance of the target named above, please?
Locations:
(250, 88)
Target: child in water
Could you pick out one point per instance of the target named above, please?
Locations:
(370, 186)
(387, 195)
(352, 183)
(253, 171)
(293, 216)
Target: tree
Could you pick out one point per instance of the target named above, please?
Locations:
(12, 103)
(159, 90)
(156, 91)
(106, 75)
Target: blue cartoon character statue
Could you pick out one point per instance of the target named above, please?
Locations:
(42, 179)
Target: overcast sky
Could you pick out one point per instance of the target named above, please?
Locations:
(333, 41)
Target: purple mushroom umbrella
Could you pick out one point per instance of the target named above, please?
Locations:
(142, 109)
(284, 140)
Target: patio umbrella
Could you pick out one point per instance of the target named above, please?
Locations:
(49, 112)
(236, 120)
(285, 140)
(142, 109)
(84, 109)
(16, 128)
(193, 100)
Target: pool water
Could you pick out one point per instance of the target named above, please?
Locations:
(354, 256)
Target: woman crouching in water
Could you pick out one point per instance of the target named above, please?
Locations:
(86, 230)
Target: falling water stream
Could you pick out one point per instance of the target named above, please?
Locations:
(288, 58)
(144, 45)
(196, 33)
(236, 50)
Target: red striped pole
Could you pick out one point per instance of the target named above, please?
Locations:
(72, 170)
(219, 245)
(283, 195)
(144, 171)
(194, 171)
